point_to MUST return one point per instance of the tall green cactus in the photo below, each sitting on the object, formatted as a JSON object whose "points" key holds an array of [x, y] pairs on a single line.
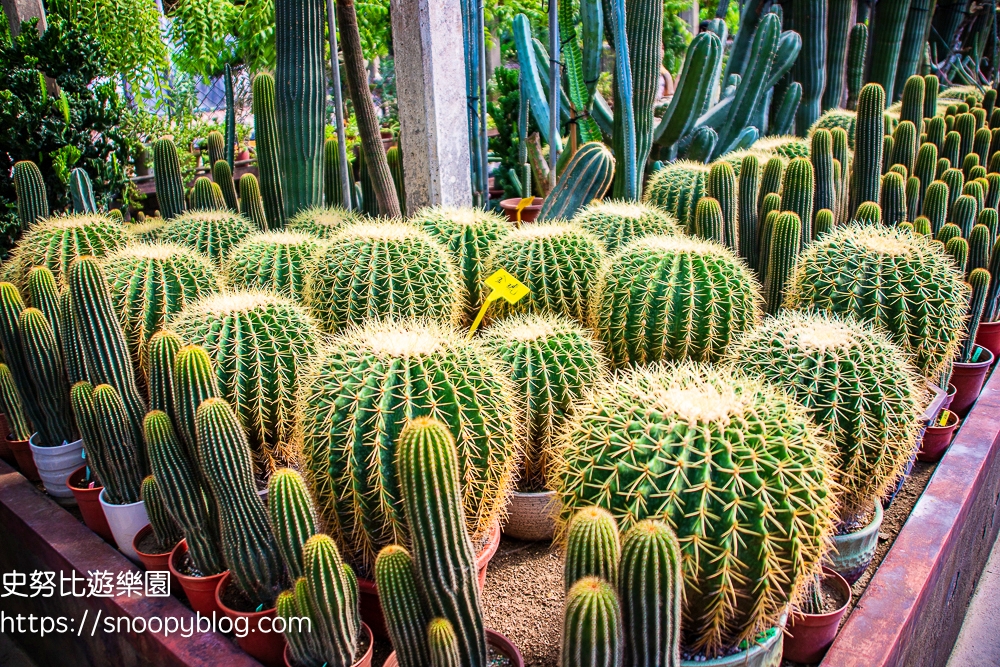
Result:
{"points": [[721, 185], [333, 600], [47, 373], [268, 150], [750, 176], [123, 458], [248, 544], [194, 382], [856, 50], [333, 187], [958, 249], [161, 352], [912, 105], [888, 26], [82, 191], [904, 145], [32, 198], [840, 17], [12, 407], [216, 145], [442, 552], [935, 205], [893, 198], [979, 281], [625, 139], [809, 19], [579, 94], [592, 628], [292, 516], [783, 251], [165, 529], [931, 86], [251, 203], [708, 221], [593, 547], [821, 154], [204, 196], [169, 182], [692, 90], [222, 174], [979, 248], [868, 145], [797, 195], [406, 616]]}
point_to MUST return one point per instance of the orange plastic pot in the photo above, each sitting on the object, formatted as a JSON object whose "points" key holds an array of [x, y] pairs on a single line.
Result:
{"points": [[364, 661], [968, 379], [810, 635], [88, 500], [24, 459], [494, 639], [267, 647], [5, 453], [988, 336], [528, 214], [371, 608], [155, 562], [200, 591]]}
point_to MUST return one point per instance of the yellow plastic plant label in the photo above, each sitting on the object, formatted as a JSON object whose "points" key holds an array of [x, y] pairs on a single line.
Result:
{"points": [[521, 205], [502, 286]]}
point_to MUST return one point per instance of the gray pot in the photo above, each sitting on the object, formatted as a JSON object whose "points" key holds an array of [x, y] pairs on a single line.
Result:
{"points": [[532, 516], [853, 552], [764, 654]]}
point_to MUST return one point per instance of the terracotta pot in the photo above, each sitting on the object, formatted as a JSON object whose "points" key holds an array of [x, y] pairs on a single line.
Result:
{"points": [[157, 562], [267, 647], [532, 516], [243, 155], [968, 379], [988, 336], [937, 439], [371, 608], [528, 213], [496, 193], [200, 591], [5, 453], [363, 661], [88, 500], [494, 639], [810, 635], [25, 461], [853, 552], [949, 398]]}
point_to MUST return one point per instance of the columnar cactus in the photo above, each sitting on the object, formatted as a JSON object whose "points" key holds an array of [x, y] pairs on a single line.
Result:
{"points": [[382, 269], [169, 182], [893, 198], [47, 373], [32, 199], [193, 381], [332, 186], [904, 146], [469, 234], [421, 368], [165, 529], [443, 644], [592, 628], [617, 223], [979, 281], [748, 213], [559, 262], [936, 204], [333, 601], [553, 361], [593, 547], [301, 645], [931, 86], [252, 205], [258, 379], [650, 588], [12, 407], [784, 241], [151, 282], [912, 276], [56, 242], [912, 104], [248, 545], [292, 516], [860, 388], [177, 478], [677, 188], [443, 557], [825, 190], [212, 233], [672, 418], [979, 247], [708, 221], [323, 223], [206, 196], [631, 318], [82, 191], [265, 123], [161, 353], [405, 615], [797, 195], [964, 212], [721, 186], [222, 174], [868, 146], [122, 459], [272, 261]]}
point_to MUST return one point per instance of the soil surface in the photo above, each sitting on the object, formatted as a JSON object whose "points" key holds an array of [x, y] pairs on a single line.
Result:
{"points": [[237, 600], [832, 595], [150, 545]]}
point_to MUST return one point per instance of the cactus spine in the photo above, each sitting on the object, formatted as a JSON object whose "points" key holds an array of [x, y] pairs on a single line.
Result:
{"points": [[592, 628]]}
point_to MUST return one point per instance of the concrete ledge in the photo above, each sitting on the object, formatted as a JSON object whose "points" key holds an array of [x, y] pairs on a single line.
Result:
{"points": [[37, 534], [912, 610]]}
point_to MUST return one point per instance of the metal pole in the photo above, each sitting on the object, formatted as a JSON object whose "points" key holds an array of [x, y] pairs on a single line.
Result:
{"points": [[484, 140], [555, 87], [346, 186]]}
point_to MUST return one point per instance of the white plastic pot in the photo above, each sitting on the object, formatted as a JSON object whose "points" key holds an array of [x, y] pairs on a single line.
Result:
{"points": [[532, 516], [125, 521], [55, 465]]}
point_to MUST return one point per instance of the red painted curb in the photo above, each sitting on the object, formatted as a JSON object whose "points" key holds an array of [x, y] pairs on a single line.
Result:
{"points": [[40, 535], [913, 608]]}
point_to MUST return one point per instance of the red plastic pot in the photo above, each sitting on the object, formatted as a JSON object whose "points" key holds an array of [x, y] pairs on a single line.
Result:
{"points": [[88, 500], [371, 608], [988, 336], [949, 398], [937, 439], [968, 379], [494, 639], [5, 453], [24, 459], [810, 635], [364, 661], [156, 562], [267, 647], [496, 193], [528, 213], [200, 591]]}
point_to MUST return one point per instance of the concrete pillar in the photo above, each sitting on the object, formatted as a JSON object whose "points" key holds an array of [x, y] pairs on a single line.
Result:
{"points": [[430, 91], [18, 11]]}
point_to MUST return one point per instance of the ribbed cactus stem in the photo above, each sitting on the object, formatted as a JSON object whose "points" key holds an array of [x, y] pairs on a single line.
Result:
{"points": [[12, 407], [825, 222], [979, 247], [783, 251], [48, 374], [222, 174], [651, 589], [721, 185], [169, 182], [443, 554], [268, 150], [82, 191], [979, 281], [857, 47], [708, 221], [204, 196], [406, 618], [251, 202], [293, 518], [821, 154], [32, 198], [750, 174], [868, 136], [935, 205], [592, 628], [593, 547], [333, 600], [893, 198], [797, 195], [809, 19], [193, 382], [443, 644], [165, 529], [124, 458], [178, 479], [904, 146]]}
